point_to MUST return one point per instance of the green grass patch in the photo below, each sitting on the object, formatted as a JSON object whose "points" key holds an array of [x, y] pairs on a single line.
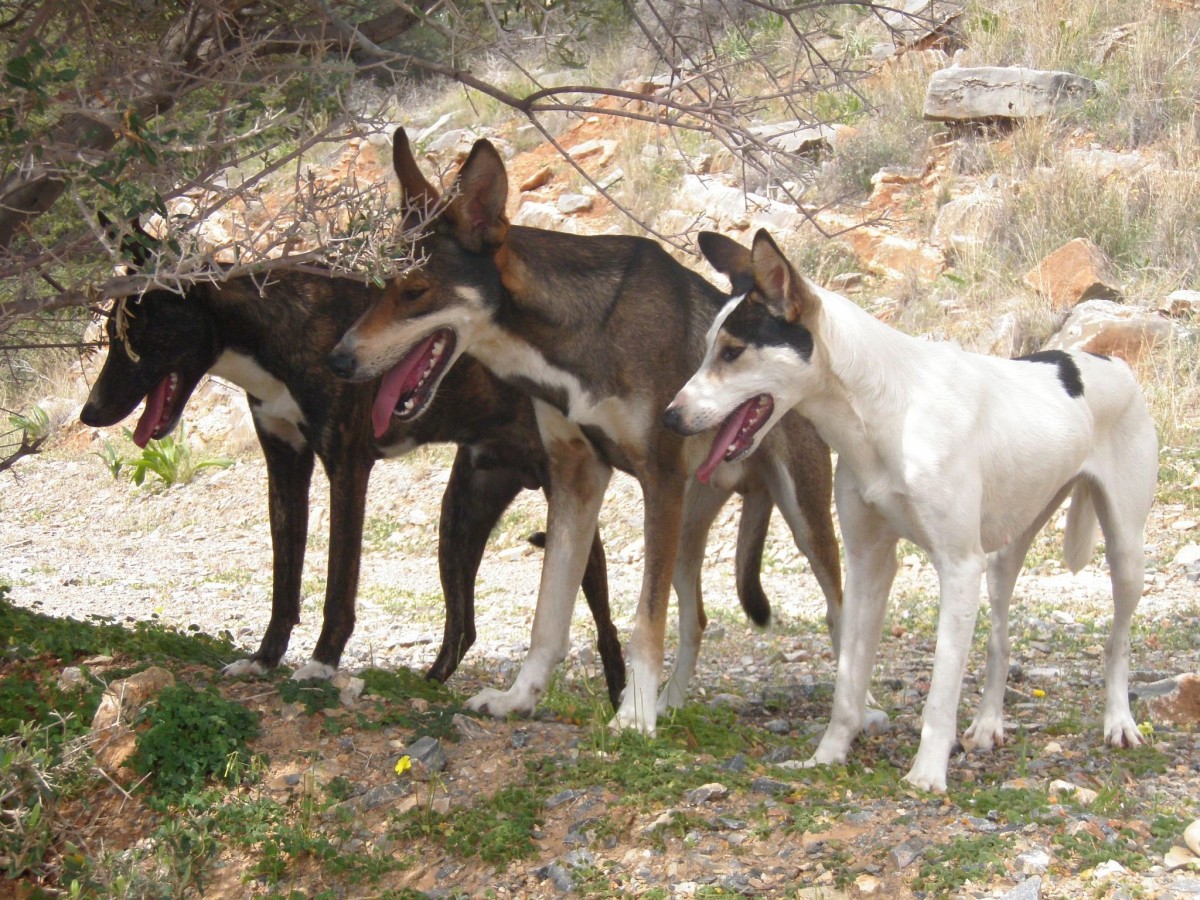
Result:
{"points": [[1008, 805], [499, 830], [403, 684], [976, 858], [27, 633]]}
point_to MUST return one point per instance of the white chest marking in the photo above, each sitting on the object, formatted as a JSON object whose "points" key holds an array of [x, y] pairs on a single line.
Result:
{"points": [[277, 411]]}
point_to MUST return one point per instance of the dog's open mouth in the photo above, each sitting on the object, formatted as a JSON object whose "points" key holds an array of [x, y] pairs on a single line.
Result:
{"points": [[158, 418], [736, 434], [408, 386]]}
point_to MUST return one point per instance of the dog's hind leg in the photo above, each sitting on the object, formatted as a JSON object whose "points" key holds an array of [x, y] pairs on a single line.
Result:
{"points": [[987, 729], [472, 504], [578, 479], [1122, 504], [870, 568], [608, 641], [701, 505], [663, 490], [289, 476], [803, 494]]}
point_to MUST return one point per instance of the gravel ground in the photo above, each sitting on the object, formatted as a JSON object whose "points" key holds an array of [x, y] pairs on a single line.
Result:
{"points": [[74, 541]]}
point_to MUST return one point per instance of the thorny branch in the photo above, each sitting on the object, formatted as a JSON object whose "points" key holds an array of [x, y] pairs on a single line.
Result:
{"points": [[100, 125]]}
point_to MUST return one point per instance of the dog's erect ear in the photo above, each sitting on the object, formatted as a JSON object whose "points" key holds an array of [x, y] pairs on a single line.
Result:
{"points": [[729, 258], [480, 193], [787, 295], [417, 194]]}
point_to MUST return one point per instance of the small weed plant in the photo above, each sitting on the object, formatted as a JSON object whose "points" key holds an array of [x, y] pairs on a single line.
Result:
{"points": [[168, 459], [194, 736], [499, 830]]}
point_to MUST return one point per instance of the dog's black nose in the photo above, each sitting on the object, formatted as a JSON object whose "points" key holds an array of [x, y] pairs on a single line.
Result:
{"points": [[342, 363], [89, 416], [673, 419]]}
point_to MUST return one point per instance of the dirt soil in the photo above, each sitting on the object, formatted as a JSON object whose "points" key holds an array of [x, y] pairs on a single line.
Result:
{"points": [[730, 813]]}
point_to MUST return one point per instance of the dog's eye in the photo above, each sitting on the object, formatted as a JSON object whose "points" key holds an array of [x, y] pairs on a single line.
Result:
{"points": [[730, 353], [411, 295]]}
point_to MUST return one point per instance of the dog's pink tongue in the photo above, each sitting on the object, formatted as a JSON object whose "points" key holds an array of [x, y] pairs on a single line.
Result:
{"points": [[388, 396], [723, 440], [394, 384], [151, 414]]}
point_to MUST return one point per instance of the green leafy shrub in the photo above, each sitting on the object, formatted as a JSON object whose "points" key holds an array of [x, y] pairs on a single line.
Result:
{"points": [[193, 736]]}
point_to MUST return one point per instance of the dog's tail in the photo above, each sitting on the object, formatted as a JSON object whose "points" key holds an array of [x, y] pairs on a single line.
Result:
{"points": [[1079, 541], [752, 537]]}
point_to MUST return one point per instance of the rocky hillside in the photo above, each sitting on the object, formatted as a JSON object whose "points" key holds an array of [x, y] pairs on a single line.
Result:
{"points": [[1011, 176]]}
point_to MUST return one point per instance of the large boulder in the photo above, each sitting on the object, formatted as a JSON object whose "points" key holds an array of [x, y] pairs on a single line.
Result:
{"points": [[993, 92], [1173, 701], [1111, 329], [113, 738], [965, 226], [1076, 271], [914, 24]]}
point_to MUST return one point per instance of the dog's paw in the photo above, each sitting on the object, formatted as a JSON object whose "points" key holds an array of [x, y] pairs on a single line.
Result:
{"points": [[630, 715], [672, 697], [932, 781], [875, 723], [984, 735], [928, 771], [241, 667], [501, 704], [314, 671], [826, 755], [1122, 732]]}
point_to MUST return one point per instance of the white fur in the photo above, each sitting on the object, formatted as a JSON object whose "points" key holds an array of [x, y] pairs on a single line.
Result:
{"points": [[241, 667], [966, 456], [570, 526], [275, 409], [314, 671]]}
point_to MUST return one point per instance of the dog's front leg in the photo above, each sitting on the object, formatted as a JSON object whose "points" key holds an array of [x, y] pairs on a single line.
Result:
{"points": [[289, 476], [701, 505], [958, 609], [870, 567], [349, 474], [579, 480], [662, 491]]}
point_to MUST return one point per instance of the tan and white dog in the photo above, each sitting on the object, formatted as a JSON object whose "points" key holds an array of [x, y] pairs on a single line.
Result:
{"points": [[965, 455]]}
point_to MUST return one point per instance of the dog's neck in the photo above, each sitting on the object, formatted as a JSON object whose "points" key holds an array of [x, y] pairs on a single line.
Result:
{"points": [[859, 405]]}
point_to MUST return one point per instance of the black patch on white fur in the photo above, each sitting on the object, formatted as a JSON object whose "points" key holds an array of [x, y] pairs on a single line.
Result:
{"points": [[751, 323], [1068, 372]]}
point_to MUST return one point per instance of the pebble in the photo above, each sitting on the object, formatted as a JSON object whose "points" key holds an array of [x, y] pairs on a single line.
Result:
{"points": [[772, 786], [1029, 889], [704, 793], [1033, 862], [427, 757], [1191, 837], [905, 854]]}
